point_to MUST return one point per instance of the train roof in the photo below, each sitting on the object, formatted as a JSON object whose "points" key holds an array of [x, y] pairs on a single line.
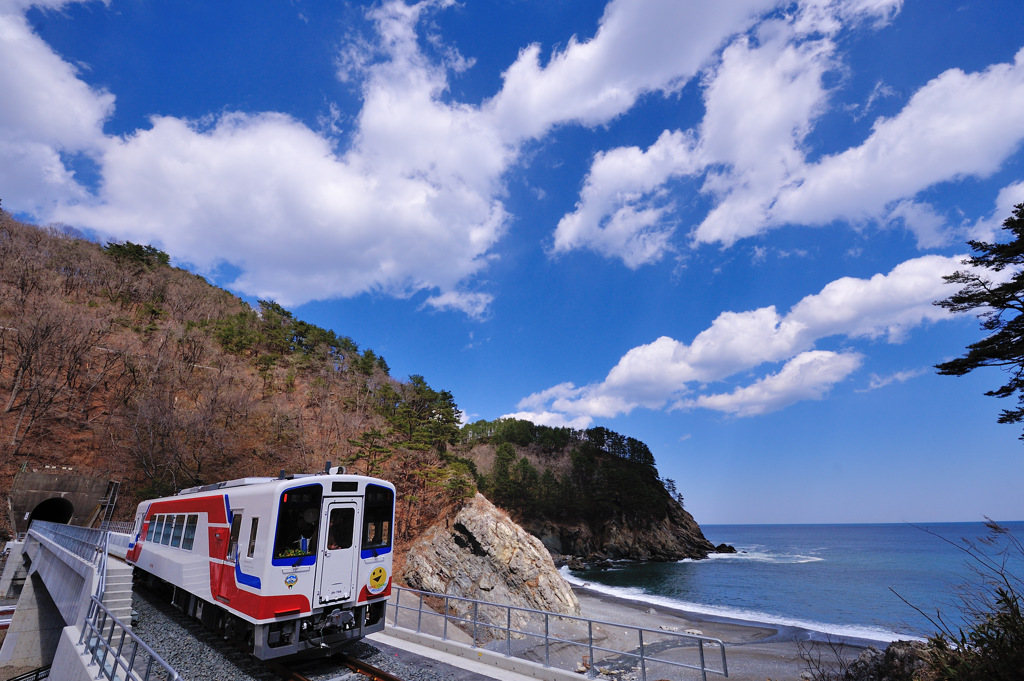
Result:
{"points": [[245, 482]]}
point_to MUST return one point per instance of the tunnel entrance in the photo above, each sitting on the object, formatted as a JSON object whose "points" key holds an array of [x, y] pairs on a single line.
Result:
{"points": [[57, 495], [53, 510]]}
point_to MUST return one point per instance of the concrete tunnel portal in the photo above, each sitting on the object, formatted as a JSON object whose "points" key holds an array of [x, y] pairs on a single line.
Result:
{"points": [[53, 510]]}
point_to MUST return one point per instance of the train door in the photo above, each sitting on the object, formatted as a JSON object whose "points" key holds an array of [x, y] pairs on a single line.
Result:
{"points": [[338, 570]]}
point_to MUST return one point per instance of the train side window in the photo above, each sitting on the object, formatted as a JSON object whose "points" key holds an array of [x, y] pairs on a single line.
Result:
{"points": [[165, 538], [179, 525], [165, 527], [252, 538], [339, 535], [158, 530], [168, 526], [236, 528], [298, 518], [380, 505], [190, 533]]}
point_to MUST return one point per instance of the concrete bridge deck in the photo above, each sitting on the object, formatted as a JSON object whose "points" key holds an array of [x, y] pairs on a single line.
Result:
{"points": [[70, 582]]}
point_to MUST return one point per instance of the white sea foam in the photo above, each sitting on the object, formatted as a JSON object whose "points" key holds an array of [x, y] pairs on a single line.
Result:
{"points": [[752, 616], [759, 556]]}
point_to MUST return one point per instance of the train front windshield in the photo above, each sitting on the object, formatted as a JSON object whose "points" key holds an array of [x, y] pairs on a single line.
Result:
{"points": [[298, 521], [377, 515]]}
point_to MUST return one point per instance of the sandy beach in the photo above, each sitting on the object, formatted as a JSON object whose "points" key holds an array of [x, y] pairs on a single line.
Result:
{"points": [[754, 651]]}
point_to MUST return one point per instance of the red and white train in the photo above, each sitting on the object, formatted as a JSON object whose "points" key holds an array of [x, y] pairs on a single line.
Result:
{"points": [[289, 565]]}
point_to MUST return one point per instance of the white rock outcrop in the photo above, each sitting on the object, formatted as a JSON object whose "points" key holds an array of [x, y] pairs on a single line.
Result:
{"points": [[482, 554]]}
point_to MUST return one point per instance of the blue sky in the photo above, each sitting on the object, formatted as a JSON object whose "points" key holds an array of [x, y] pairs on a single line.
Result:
{"points": [[716, 227]]}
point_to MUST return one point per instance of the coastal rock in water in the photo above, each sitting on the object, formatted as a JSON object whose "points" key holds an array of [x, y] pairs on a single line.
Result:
{"points": [[725, 548], [482, 554], [901, 661]]}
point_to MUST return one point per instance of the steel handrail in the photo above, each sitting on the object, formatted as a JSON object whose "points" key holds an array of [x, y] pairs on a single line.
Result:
{"points": [[548, 638], [84, 542], [93, 546], [100, 645]]}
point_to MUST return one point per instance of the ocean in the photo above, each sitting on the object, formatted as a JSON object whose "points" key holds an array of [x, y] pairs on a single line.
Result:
{"points": [[843, 581]]}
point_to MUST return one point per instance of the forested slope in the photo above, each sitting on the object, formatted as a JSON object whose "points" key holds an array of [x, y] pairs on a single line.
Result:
{"points": [[115, 362], [588, 493]]}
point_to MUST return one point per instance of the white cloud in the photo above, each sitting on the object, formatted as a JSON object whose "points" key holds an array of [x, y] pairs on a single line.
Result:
{"points": [[668, 370], [922, 220], [876, 382], [19, 6], [474, 305], [555, 420], [885, 305], [957, 125], [808, 376], [641, 46], [45, 111], [989, 229], [762, 100], [614, 215], [876, 11], [268, 194], [760, 105], [414, 204]]}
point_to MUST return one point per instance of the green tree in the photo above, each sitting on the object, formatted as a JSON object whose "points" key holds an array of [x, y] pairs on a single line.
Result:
{"points": [[145, 255], [373, 449], [501, 475], [1000, 302], [516, 431]]}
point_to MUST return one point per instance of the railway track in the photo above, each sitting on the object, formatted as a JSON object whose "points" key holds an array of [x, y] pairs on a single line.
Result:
{"points": [[246, 666], [359, 671]]}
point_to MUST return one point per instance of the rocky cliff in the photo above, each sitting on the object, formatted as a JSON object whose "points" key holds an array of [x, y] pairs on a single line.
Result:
{"points": [[481, 554], [591, 494], [668, 533]]}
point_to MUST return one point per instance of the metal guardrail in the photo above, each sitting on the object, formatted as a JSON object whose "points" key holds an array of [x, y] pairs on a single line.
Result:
{"points": [[123, 526], [118, 652], [129, 657], [84, 542], [555, 633]]}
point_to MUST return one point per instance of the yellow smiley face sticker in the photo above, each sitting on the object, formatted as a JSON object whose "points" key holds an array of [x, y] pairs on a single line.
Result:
{"points": [[378, 580]]}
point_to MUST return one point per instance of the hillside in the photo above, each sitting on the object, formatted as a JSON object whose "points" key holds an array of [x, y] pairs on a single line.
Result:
{"points": [[114, 362], [587, 493]]}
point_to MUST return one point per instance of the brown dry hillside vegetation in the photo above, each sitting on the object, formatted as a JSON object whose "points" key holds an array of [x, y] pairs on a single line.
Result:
{"points": [[114, 362]]}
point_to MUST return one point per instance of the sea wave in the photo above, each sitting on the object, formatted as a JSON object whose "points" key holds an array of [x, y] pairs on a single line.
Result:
{"points": [[759, 556], [824, 629]]}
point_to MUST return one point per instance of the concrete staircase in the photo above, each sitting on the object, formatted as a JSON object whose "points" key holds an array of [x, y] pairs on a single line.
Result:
{"points": [[117, 597]]}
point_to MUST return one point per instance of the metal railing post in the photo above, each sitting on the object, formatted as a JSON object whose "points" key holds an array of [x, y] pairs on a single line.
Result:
{"points": [[131, 660], [419, 616], [547, 642], [476, 613], [643, 658], [508, 632], [703, 668], [444, 635], [590, 645]]}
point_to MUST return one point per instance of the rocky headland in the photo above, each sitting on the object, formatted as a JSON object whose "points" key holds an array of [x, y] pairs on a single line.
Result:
{"points": [[669, 534], [480, 553]]}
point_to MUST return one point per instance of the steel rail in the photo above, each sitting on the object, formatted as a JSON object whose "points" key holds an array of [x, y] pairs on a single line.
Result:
{"points": [[367, 670]]}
